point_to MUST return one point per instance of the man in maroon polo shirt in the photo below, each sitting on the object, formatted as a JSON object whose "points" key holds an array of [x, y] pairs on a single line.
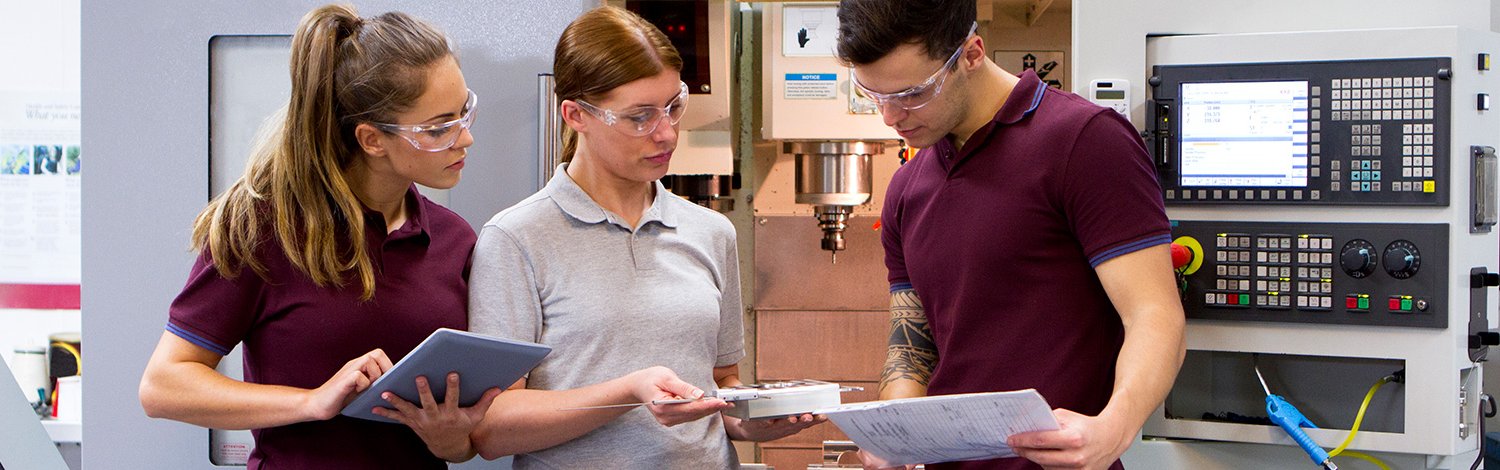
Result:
{"points": [[1027, 242]]}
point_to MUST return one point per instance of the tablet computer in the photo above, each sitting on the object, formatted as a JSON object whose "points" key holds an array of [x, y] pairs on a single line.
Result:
{"points": [[481, 362]]}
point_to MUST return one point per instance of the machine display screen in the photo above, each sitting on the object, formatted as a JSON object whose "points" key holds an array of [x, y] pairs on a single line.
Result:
{"points": [[1110, 94], [1239, 134]]}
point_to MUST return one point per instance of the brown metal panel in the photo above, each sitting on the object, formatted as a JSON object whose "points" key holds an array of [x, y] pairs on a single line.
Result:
{"points": [[833, 346], [786, 458], [793, 273]]}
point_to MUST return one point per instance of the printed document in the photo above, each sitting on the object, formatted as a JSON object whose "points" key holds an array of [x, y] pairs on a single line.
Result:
{"points": [[944, 428]]}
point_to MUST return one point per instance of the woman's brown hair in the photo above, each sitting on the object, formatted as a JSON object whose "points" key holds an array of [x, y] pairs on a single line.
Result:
{"points": [[345, 70], [604, 48]]}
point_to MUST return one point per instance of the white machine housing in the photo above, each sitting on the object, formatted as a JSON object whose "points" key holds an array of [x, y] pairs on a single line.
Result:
{"points": [[826, 117], [1442, 385]]}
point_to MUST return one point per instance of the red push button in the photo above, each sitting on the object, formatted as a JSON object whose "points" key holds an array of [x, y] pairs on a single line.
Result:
{"points": [[1351, 302], [1395, 303], [1182, 256]]}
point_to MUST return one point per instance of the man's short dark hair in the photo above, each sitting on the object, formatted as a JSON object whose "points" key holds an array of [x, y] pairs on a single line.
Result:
{"points": [[870, 29]]}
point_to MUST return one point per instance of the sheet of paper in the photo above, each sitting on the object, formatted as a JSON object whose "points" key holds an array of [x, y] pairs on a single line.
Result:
{"points": [[945, 428]]}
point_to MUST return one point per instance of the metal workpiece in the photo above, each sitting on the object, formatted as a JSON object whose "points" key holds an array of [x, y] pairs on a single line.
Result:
{"points": [[833, 176]]}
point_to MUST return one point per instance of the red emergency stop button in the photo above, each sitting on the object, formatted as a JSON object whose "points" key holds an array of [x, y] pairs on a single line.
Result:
{"points": [[1181, 256]]}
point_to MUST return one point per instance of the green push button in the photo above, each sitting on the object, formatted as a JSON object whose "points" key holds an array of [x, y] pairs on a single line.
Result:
{"points": [[1405, 305], [1364, 303]]}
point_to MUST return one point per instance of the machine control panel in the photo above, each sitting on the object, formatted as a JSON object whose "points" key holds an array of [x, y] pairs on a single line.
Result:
{"points": [[1362, 132], [1341, 273]]}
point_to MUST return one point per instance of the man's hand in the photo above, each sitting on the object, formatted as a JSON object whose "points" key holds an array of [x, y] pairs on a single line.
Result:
{"points": [[1082, 442]]}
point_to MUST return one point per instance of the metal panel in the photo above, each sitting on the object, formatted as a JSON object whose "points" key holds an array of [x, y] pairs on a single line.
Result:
{"points": [[788, 265], [146, 87], [1109, 36], [790, 458], [831, 346]]}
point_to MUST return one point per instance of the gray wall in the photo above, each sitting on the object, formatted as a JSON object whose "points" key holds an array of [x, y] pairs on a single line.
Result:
{"points": [[145, 87]]}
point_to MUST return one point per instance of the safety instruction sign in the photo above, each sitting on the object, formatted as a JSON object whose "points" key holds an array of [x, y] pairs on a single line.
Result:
{"points": [[811, 86], [809, 30]]}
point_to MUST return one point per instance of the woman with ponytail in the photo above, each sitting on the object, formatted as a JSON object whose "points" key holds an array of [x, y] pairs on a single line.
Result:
{"points": [[326, 264], [636, 289]]}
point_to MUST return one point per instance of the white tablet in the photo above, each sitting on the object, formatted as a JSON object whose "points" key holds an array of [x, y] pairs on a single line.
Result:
{"points": [[482, 362]]}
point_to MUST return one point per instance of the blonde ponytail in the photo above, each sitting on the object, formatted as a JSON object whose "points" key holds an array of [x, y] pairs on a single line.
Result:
{"points": [[344, 70]]}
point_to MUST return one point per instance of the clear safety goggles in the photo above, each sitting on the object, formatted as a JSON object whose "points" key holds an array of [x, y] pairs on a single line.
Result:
{"points": [[435, 137], [921, 94], [641, 120]]}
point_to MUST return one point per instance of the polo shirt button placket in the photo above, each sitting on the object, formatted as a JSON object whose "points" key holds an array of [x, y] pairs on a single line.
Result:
{"points": [[635, 260]]}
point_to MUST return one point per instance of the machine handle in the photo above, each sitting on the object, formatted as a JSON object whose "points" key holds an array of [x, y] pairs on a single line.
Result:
{"points": [[1292, 421]]}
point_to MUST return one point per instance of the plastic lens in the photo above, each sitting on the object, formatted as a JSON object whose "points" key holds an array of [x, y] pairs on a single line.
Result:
{"points": [[921, 94], [435, 137], [641, 120]]}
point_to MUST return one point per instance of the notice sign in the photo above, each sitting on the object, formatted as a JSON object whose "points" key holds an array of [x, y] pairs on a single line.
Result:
{"points": [[811, 86]]}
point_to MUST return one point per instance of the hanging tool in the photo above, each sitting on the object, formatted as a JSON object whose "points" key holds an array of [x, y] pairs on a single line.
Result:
{"points": [[1292, 421]]}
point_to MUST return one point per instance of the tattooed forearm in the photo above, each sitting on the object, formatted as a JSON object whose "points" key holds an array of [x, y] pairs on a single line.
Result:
{"points": [[911, 353]]}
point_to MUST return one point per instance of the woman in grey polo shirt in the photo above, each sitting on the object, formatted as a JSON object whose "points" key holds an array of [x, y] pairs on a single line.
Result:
{"points": [[636, 290]]}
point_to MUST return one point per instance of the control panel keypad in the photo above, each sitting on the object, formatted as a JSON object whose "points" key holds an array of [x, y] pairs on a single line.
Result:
{"points": [[1367, 132], [1313, 272], [1382, 99]]}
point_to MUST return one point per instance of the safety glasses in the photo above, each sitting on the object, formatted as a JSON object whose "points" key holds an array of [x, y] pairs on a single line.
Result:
{"points": [[641, 120], [434, 137], [921, 94]]}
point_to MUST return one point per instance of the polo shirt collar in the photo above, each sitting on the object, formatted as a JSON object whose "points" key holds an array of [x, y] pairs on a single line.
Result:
{"points": [[577, 204], [1023, 99], [416, 221]]}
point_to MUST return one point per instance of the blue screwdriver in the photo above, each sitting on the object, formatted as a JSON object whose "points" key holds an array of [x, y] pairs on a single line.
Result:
{"points": [[1292, 421]]}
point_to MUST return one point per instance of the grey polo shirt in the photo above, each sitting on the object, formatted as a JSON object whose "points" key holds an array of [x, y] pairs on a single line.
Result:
{"points": [[610, 299]]}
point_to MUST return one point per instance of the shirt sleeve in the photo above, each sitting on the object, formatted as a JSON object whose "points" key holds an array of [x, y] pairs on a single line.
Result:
{"points": [[1111, 191], [213, 312], [890, 229], [503, 295], [731, 307]]}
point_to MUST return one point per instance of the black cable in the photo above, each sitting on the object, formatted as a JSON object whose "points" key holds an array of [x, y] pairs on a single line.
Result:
{"points": [[1484, 401]]}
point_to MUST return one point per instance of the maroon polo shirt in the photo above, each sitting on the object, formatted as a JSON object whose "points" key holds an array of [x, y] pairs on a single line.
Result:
{"points": [[1000, 240], [298, 334]]}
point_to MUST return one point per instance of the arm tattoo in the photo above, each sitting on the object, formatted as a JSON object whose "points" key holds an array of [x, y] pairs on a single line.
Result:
{"points": [[911, 353]]}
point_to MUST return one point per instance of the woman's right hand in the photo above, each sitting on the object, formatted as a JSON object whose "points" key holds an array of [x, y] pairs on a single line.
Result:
{"points": [[329, 399], [660, 383]]}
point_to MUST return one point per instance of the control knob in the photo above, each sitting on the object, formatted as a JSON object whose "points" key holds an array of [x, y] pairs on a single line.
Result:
{"points": [[1401, 259], [1358, 258]]}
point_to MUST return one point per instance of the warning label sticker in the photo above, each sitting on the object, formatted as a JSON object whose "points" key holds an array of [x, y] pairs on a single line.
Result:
{"points": [[811, 86]]}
